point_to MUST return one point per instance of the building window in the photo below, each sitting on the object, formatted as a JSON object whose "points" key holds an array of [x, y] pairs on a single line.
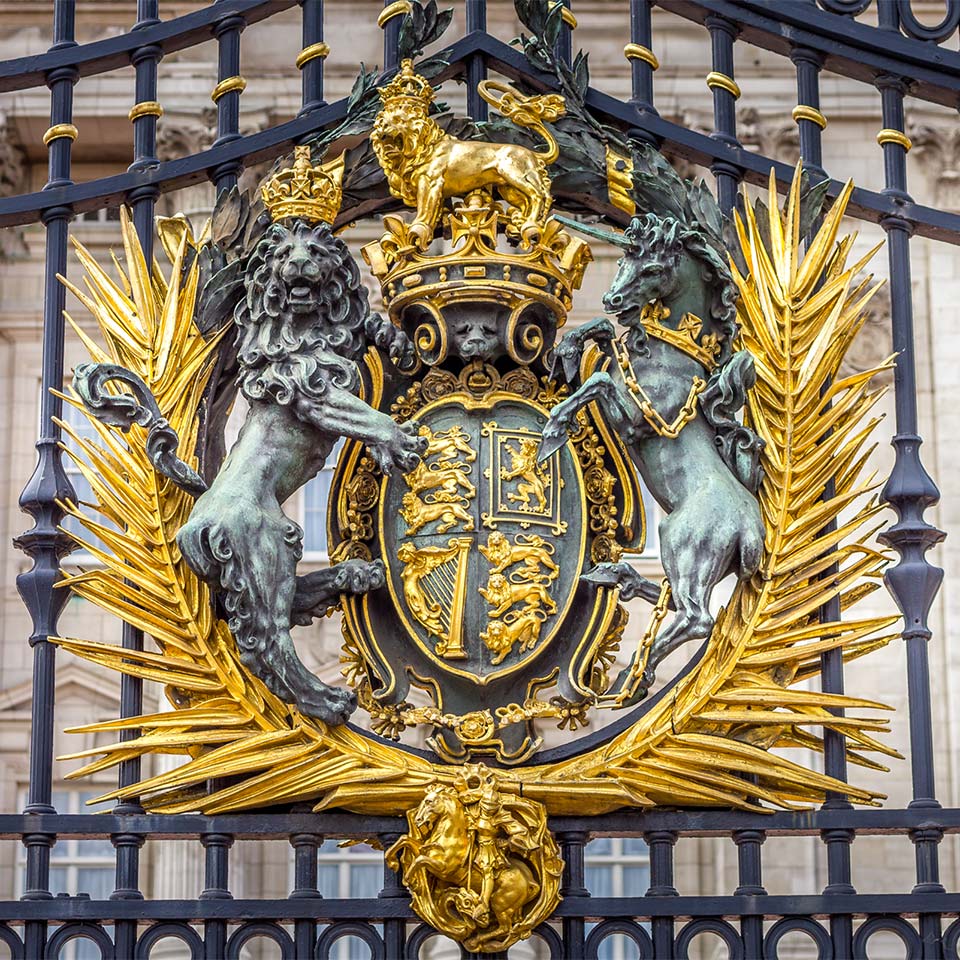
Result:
{"points": [[84, 492], [617, 867], [76, 866], [314, 498], [349, 872], [101, 215]]}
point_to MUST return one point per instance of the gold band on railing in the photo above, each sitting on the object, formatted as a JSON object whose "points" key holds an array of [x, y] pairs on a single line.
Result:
{"points": [[723, 82], [228, 86], [146, 108], [59, 130], [394, 10], [316, 51], [888, 135], [635, 51], [804, 112], [567, 16]]}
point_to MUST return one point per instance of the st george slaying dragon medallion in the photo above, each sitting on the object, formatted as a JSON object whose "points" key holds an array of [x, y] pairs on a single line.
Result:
{"points": [[487, 499]]}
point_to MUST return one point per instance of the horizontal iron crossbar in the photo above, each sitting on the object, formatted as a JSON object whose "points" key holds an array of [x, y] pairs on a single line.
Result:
{"points": [[101, 56], [267, 144], [851, 49], [689, 823], [375, 909]]}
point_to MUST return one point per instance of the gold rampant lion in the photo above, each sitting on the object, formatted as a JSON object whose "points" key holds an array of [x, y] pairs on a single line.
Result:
{"points": [[534, 478], [425, 166]]}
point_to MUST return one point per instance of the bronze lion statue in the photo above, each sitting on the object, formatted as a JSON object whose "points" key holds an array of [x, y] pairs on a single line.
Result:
{"points": [[301, 327]]}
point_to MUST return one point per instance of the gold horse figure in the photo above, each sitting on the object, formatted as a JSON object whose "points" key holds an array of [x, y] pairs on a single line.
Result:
{"points": [[480, 864], [534, 477]]}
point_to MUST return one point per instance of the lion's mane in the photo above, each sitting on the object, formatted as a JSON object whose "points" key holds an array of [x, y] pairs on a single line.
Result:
{"points": [[420, 132], [287, 356]]}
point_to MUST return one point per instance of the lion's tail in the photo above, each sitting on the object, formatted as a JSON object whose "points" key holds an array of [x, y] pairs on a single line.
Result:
{"points": [[529, 112]]}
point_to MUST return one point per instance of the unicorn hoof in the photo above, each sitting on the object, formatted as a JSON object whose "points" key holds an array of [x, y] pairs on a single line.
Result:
{"points": [[554, 437]]}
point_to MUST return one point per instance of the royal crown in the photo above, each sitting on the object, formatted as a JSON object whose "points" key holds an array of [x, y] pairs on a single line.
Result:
{"points": [[311, 192], [407, 84], [476, 268]]}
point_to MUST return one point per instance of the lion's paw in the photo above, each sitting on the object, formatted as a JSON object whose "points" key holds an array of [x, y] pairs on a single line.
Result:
{"points": [[332, 705]]}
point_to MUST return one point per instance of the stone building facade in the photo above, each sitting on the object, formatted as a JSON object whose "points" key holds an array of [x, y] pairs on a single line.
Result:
{"points": [[104, 147]]}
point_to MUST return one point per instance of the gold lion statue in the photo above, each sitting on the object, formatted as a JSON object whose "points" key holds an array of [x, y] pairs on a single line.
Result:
{"points": [[425, 166]]}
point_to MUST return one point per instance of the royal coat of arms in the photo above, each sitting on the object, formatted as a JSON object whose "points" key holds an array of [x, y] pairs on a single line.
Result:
{"points": [[487, 497]]}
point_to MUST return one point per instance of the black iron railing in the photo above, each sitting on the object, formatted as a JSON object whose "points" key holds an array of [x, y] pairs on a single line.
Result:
{"points": [[900, 57]]}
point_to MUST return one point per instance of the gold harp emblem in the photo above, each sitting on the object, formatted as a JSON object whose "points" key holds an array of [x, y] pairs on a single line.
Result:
{"points": [[434, 586]]}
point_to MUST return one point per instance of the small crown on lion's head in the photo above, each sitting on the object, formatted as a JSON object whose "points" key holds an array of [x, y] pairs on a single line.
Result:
{"points": [[407, 85], [311, 192]]}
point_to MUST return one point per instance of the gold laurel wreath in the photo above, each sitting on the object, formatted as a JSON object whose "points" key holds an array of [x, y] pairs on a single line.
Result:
{"points": [[711, 741]]}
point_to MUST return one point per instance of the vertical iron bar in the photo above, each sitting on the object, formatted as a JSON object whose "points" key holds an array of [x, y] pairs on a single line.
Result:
{"points": [[312, 56], [839, 877], [44, 543], [395, 929], [573, 884], [394, 12], [476, 67], [810, 122], [750, 885], [643, 63], [227, 31], [914, 581], [305, 849], [145, 60], [144, 115], [216, 879], [661, 844], [725, 93]]}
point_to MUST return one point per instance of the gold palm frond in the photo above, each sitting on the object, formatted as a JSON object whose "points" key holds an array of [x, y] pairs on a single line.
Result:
{"points": [[728, 718]]}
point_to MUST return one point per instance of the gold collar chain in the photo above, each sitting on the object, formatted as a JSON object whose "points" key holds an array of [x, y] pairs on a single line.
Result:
{"points": [[685, 338], [660, 426]]}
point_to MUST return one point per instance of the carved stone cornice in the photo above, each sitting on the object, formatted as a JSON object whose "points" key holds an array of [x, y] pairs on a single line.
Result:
{"points": [[768, 136], [13, 175], [937, 146], [180, 137]]}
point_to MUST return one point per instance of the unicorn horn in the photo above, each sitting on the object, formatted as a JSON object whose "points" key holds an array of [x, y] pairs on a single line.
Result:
{"points": [[607, 236]]}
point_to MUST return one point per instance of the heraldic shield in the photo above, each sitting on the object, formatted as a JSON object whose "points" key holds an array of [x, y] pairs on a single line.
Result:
{"points": [[483, 546], [480, 516]]}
